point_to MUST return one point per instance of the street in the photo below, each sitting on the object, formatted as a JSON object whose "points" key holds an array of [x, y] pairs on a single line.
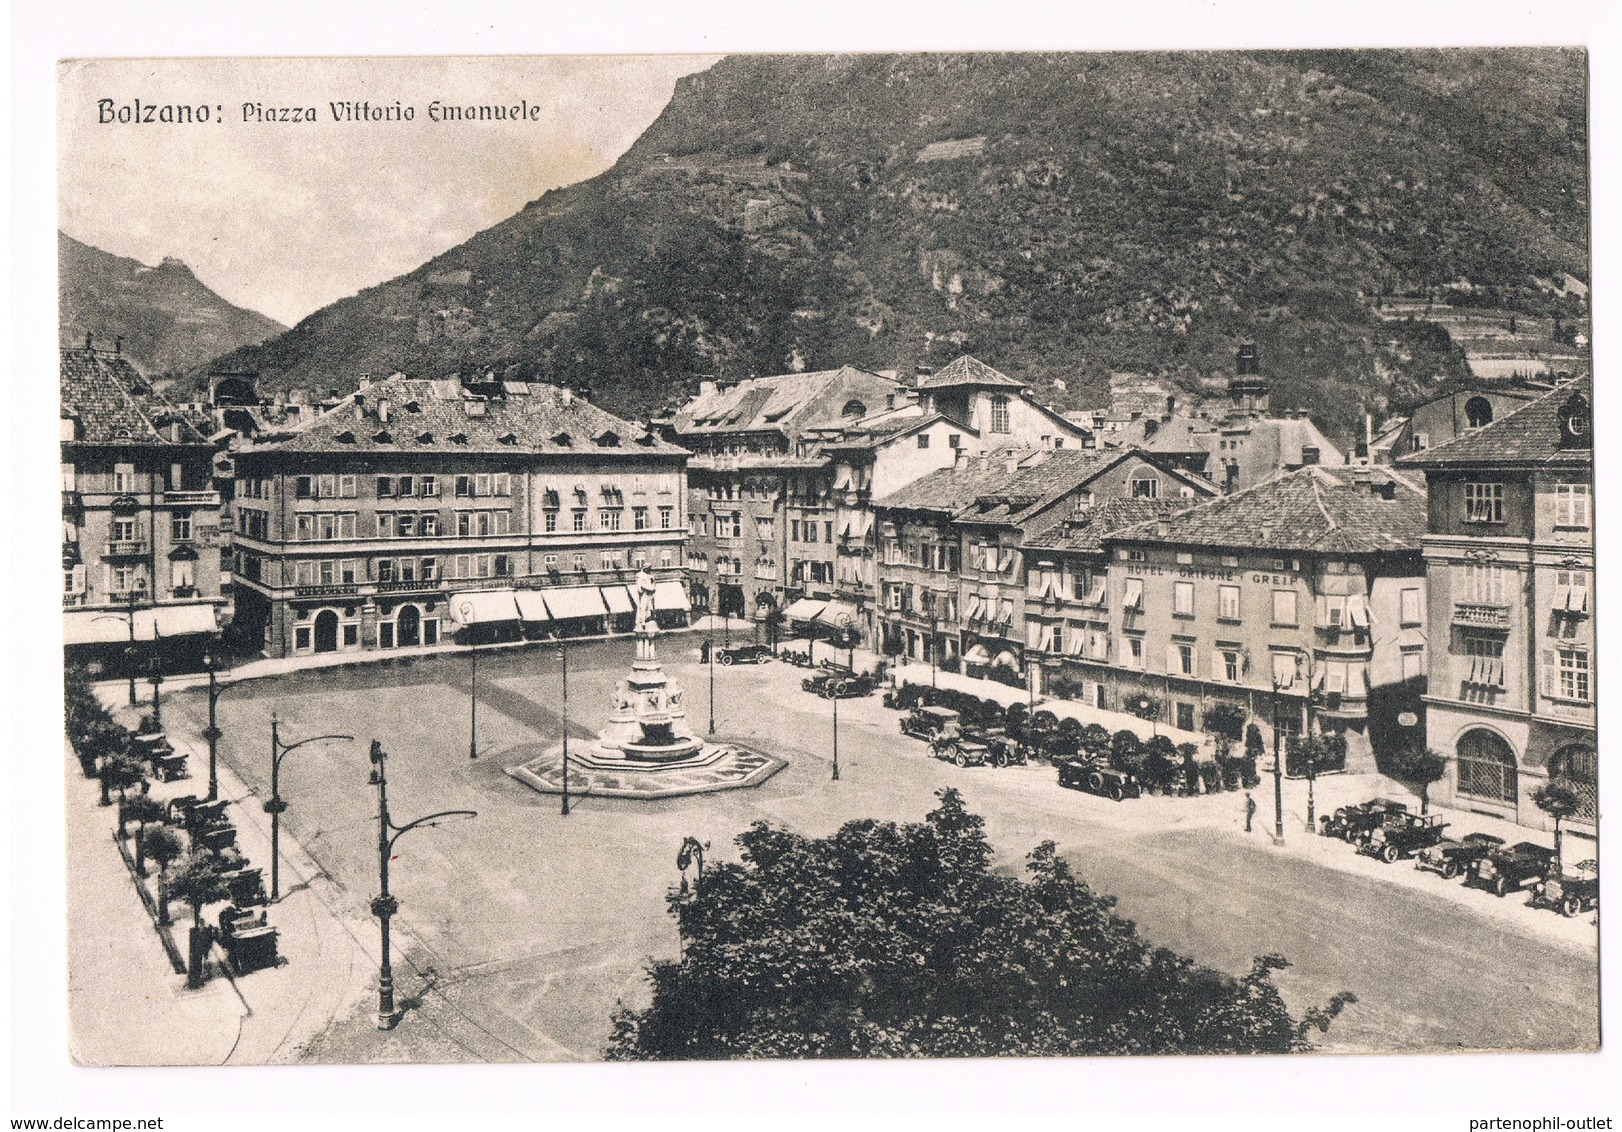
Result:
{"points": [[521, 929]]}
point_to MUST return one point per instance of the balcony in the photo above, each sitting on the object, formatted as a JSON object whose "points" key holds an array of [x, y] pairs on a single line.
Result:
{"points": [[1481, 615], [349, 589], [125, 548], [72, 503], [191, 498], [411, 585]]}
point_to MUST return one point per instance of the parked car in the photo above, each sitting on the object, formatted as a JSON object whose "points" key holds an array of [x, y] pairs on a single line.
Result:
{"points": [[1354, 823], [743, 654], [1403, 835], [1096, 776], [1454, 858], [835, 681], [1572, 893], [930, 723], [1505, 870], [960, 749], [1003, 748]]}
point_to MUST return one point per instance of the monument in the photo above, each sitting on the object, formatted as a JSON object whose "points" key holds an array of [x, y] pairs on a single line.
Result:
{"points": [[646, 749]]}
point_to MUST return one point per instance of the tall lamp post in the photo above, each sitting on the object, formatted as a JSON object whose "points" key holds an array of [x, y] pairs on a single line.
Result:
{"points": [[131, 655], [709, 649], [1278, 770], [155, 675], [934, 645], [384, 905], [211, 664], [275, 807], [563, 651], [835, 698], [468, 618]]}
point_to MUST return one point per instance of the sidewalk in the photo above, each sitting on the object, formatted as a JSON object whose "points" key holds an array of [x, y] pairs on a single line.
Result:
{"points": [[118, 1014]]}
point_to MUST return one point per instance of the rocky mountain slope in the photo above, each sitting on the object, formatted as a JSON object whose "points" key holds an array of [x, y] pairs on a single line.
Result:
{"points": [[169, 321], [1059, 216]]}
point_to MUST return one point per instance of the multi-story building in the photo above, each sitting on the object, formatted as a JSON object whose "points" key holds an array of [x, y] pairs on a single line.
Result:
{"points": [[1444, 419], [952, 569], [416, 506], [142, 542], [1510, 559], [1309, 588]]}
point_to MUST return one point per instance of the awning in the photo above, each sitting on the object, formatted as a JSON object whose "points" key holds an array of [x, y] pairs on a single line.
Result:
{"points": [[804, 609], [1005, 615], [975, 609], [1006, 659], [1134, 594], [89, 628], [481, 607], [531, 606], [1358, 610], [834, 610], [619, 599], [977, 654], [1095, 595], [566, 602], [669, 595]]}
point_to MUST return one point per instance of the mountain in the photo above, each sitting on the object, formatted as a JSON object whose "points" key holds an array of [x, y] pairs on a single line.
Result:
{"points": [[169, 321], [1060, 216]]}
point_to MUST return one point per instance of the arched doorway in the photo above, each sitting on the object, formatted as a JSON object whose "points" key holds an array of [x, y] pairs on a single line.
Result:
{"points": [[1577, 769], [1478, 411], [408, 627], [326, 631], [1487, 767]]}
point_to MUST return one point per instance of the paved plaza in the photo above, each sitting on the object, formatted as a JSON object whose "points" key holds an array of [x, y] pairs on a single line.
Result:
{"points": [[521, 929]]}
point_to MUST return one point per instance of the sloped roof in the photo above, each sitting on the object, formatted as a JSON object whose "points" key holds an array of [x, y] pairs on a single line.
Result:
{"points": [[1529, 435], [966, 370], [948, 490], [432, 416], [114, 404], [761, 403], [1314, 509], [1086, 528]]}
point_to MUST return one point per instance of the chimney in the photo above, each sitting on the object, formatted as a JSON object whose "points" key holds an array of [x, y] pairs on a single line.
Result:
{"points": [[568, 395], [474, 408], [118, 344], [706, 389], [1163, 526], [360, 407], [383, 410], [89, 342], [1384, 489], [1010, 463], [1171, 405]]}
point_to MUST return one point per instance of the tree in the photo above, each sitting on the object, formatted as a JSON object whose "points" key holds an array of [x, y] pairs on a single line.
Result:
{"points": [[1560, 802], [887, 940], [1143, 706], [119, 771], [142, 809], [1126, 752], [1225, 720], [197, 881], [1310, 755], [164, 845], [1095, 740], [1420, 766]]}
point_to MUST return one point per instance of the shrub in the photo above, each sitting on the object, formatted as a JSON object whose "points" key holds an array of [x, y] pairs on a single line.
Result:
{"points": [[1212, 776], [1225, 720]]}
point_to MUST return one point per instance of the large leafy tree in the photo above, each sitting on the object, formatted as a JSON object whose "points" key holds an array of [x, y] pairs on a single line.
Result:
{"points": [[887, 940]]}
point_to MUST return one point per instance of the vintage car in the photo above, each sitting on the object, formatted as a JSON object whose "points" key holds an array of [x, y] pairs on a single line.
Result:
{"points": [[930, 723], [1572, 893], [248, 939], [956, 747], [1002, 748], [835, 681], [1096, 776], [1505, 870], [1453, 858], [1354, 823], [743, 654], [1403, 835]]}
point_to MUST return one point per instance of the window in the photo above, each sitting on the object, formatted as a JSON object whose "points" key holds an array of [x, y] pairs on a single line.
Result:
{"points": [[1486, 767], [347, 573], [502, 483], [1411, 613], [639, 518], [809, 527], [549, 520], [763, 526], [123, 579], [428, 486], [794, 530], [1571, 591], [405, 525], [464, 486], [304, 527], [301, 637], [1182, 599], [1478, 412], [1232, 666], [1574, 672], [385, 569], [183, 574], [1134, 652], [1185, 659], [481, 483], [385, 524], [1146, 487], [1284, 668], [1577, 769], [580, 518], [406, 487], [73, 580], [923, 440], [665, 557], [1134, 595], [954, 440], [1284, 607], [1572, 505], [1413, 664], [1485, 583], [180, 526], [1228, 603], [385, 487], [1484, 503], [1486, 656], [303, 487], [580, 561], [999, 413]]}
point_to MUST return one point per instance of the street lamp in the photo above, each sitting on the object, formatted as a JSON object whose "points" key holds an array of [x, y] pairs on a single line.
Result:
{"points": [[468, 618], [384, 905], [275, 807], [211, 664], [130, 652], [563, 651], [709, 650], [934, 644], [692, 852], [1278, 770], [155, 675]]}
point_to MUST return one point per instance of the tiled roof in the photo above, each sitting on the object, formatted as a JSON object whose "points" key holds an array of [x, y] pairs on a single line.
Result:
{"points": [[1529, 435], [1085, 529], [114, 404], [760, 403], [948, 490], [1314, 509], [969, 371], [444, 416]]}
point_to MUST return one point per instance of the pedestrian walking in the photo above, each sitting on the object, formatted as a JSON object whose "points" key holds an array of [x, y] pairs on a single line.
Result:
{"points": [[1250, 810]]}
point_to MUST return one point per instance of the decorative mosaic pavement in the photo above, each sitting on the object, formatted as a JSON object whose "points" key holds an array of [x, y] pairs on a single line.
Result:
{"points": [[721, 767]]}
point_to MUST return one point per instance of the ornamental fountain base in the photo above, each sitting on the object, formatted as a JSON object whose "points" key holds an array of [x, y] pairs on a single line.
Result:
{"points": [[646, 750]]}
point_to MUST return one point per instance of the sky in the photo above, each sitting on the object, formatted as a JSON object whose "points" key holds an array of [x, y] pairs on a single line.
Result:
{"points": [[284, 217]]}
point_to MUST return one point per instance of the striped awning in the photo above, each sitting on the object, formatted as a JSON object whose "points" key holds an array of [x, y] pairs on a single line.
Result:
{"points": [[531, 606], [619, 599], [566, 602], [482, 607]]}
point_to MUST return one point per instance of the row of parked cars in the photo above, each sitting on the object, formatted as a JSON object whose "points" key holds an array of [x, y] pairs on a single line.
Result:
{"points": [[1388, 830]]}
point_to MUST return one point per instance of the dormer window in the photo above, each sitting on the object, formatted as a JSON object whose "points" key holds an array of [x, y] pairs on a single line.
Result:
{"points": [[506, 438], [563, 440], [999, 413], [345, 437], [608, 438], [412, 407], [382, 436], [425, 438], [458, 438]]}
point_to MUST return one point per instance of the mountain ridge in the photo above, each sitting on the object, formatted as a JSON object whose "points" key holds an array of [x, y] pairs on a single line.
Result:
{"points": [[1059, 216]]}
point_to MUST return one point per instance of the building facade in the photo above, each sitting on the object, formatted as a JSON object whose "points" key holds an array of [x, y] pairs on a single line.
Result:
{"points": [[1510, 558], [144, 553], [417, 508]]}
